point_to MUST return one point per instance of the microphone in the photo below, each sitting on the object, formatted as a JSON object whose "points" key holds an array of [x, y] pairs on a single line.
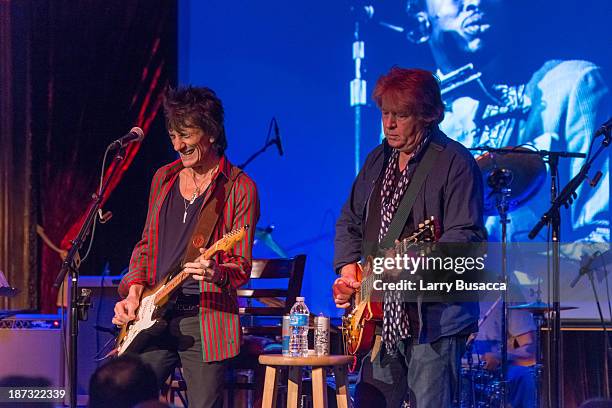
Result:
{"points": [[586, 268], [605, 128], [363, 11], [134, 135], [277, 139]]}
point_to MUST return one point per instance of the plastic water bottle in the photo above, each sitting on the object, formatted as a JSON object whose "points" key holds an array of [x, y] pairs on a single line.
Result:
{"points": [[298, 321]]}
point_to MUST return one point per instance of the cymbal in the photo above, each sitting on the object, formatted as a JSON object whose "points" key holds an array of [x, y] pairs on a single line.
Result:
{"points": [[264, 235], [539, 307], [522, 174]]}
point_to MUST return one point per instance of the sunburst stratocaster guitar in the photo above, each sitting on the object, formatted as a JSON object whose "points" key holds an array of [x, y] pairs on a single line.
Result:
{"points": [[359, 325], [155, 301]]}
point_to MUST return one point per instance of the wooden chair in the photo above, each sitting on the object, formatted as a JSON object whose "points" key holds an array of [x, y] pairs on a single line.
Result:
{"points": [[277, 299], [274, 285]]}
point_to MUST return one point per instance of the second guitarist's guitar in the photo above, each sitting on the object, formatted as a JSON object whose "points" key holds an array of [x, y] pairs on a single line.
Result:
{"points": [[155, 301], [359, 325]]}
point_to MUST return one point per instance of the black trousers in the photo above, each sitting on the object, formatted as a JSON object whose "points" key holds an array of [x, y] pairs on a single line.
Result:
{"points": [[182, 342]]}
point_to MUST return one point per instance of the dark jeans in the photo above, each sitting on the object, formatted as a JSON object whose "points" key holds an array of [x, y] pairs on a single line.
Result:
{"points": [[182, 342], [426, 373]]}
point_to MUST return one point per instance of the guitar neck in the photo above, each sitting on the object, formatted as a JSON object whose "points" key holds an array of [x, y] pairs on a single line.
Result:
{"points": [[181, 277], [367, 286], [426, 231]]}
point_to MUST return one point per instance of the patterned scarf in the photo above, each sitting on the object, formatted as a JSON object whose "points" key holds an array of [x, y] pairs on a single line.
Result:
{"points": [[396, 324]]}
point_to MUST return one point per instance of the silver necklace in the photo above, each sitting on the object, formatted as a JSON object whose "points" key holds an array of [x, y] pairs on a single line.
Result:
{"points": [[196, 192], [193, 198]]}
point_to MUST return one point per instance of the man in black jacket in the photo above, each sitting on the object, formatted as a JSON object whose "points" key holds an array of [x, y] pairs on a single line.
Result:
{"points": [[421, 342]]}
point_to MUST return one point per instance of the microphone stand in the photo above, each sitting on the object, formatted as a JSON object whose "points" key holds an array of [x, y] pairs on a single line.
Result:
{"points": [[257, 153], [502, 191], [515, 150], [269, 142], [552, 217], [588, 270], [71, 265]]}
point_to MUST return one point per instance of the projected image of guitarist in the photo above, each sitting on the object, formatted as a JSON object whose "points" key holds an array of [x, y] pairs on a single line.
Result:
{"points": [[504, 89], [180, 301], [415, 174]]}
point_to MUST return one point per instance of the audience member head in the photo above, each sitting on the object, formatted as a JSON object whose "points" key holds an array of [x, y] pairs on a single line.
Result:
{"points": [[122, 383]]}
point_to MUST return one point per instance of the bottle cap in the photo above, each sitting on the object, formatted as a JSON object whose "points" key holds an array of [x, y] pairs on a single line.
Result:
{"points": [[299, 299]]}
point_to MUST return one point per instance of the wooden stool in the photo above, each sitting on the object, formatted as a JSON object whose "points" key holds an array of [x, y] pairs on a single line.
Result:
{"points": [[294, 387]]}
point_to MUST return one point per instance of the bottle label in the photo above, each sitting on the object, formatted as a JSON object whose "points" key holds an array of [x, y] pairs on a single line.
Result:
{"points": [[298, 319]]}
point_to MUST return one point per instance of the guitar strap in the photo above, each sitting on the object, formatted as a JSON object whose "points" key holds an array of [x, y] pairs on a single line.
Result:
{"points": [[405, 206], [210, 215]]}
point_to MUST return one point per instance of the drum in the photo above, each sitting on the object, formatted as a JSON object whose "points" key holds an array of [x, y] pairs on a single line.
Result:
{"points": [[480, 388]]}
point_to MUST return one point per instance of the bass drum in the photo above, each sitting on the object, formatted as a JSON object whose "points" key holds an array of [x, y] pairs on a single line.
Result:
{"points": [[480, 388]]}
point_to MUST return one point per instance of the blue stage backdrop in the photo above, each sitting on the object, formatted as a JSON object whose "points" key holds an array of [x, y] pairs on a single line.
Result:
{"points": [[533, 75]]}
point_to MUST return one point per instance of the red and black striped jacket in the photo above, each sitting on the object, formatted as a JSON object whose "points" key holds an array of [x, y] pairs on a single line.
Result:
{"points": [[220, 323]]}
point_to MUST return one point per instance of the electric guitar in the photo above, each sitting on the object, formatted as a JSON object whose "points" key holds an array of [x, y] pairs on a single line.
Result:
{"points": [[156, 301], [359, 325]]}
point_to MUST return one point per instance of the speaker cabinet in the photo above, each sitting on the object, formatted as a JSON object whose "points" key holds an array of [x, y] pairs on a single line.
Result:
{"points": [[32, 346]]}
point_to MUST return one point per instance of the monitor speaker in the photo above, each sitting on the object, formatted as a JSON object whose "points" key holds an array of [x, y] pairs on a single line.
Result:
{"points": [[31, 345]]}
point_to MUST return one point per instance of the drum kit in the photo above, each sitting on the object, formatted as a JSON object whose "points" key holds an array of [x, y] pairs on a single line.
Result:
{"points": [[482, 387], [512, 177]]}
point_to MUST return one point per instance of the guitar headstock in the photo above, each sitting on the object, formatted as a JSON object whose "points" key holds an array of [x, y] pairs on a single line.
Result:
{"points": [[227, 242], [231, 238], [427, 231]]}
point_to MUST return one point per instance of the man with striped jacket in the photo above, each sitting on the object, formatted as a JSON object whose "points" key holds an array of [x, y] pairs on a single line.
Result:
{"points": [[203, 329]]}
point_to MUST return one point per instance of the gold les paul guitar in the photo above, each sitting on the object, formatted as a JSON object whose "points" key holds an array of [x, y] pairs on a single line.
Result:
{"points": [[359, 325], [155, 301]]}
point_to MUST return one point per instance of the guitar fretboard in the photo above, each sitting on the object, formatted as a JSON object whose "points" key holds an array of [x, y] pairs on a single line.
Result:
{"points": [[367, 286], [181, 277], [425, 232]]}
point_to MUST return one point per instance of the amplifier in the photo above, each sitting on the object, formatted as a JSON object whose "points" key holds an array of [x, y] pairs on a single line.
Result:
{"points": [[31, 345]]}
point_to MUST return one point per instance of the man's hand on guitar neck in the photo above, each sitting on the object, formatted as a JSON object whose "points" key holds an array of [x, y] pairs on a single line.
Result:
{"points": [[345, 286], [205, 269], [125, 310]]}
